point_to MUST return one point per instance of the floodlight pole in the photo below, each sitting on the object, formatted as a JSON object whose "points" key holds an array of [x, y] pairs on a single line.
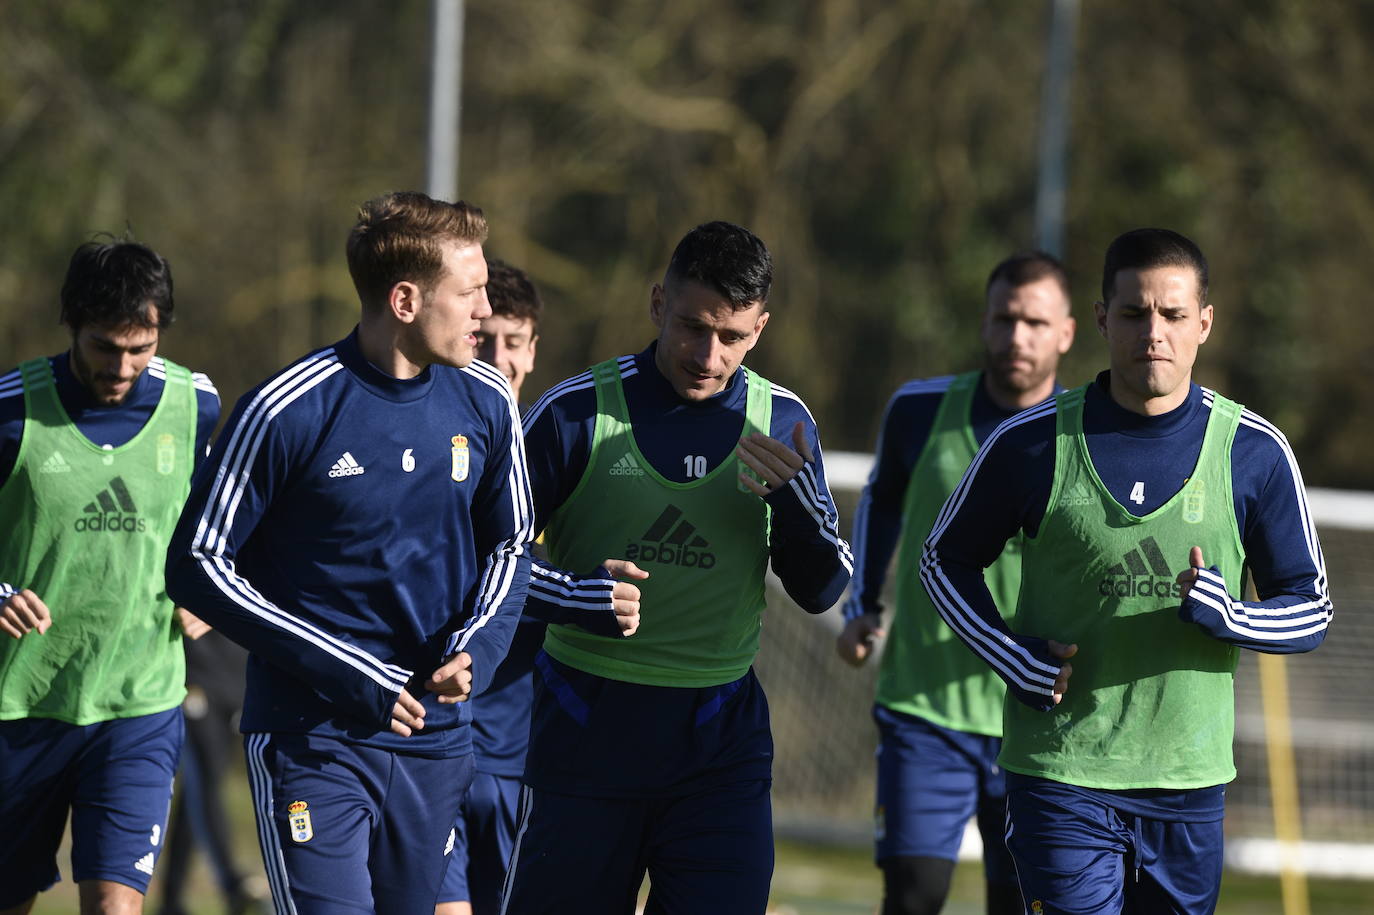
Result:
{"points": [[1051, 187], [445, 100]]}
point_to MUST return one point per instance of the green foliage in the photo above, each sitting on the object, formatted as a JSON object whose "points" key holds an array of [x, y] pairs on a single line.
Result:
{"points": [[886, 151]]}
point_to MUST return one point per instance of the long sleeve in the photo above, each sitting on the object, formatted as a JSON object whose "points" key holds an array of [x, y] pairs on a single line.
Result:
{"points": [[231, 494], [503, 524], [1003, 491], [1282, 553], [879, 516], [810, 558]]}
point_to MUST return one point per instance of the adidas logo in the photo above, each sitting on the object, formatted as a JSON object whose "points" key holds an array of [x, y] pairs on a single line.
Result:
{"points": [[346, 466], [627, 466], [672, 540], [55, 463], [1142, 572], [112, 511], [145, 864], [1078, 495]]}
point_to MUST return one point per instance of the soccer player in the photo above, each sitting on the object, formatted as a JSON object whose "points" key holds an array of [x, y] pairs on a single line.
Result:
{"points": [[97, 447], [485, 830], [1117, 761], [653, 751], [361, 529], [939, 707]]}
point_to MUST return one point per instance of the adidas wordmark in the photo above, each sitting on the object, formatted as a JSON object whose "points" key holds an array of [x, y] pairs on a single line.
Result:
{"points": [[346, 466], [627, 466]]}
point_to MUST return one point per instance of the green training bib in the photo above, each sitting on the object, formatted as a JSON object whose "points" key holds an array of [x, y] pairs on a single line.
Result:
{"points": [[703, 543], [926, 670], [87, 531], [1150, 703]]}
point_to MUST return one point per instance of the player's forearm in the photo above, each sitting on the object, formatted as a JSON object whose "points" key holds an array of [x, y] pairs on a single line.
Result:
{"points": [[961, 597], [501, 597], [1289, 623], [207, 584], [877, 528], [813, 562], [562, 597]]}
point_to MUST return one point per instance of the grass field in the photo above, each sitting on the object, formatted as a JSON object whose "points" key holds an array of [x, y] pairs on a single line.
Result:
{"points": [[808, 880]]}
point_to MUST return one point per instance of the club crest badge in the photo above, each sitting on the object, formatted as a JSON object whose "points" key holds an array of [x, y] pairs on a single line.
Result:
{"points": [[298, 816], [1193, 501], [460, 458], [166, 454]]}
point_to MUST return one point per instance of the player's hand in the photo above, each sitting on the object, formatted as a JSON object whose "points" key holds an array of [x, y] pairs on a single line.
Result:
{"points": [[1061, 682], [24, 612], [192, 626], [774, 462], [453, 681], [1188, 577], [854, 644], [408, 715], [625, 596]]}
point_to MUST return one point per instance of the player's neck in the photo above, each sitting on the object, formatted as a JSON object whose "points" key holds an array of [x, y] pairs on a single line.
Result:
{"points": [[1009, 399], [1130, 400], [382, 345]]}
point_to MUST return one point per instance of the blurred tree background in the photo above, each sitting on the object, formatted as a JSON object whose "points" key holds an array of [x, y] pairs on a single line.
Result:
{"points": [[884, 149]]}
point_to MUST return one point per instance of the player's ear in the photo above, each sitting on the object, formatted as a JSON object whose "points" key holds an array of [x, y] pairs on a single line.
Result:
{"points": [[1100, 312], [758, 328], [404, 301], [658, 305], [1206, 316], [1066, 333]]}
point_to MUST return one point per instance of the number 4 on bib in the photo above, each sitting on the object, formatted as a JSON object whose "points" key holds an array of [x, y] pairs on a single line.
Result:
{"points": [[1138, 493]]}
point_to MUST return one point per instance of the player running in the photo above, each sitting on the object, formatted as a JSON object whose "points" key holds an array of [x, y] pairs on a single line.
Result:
{"points": [[97, 447], [939, 707], [653, 752], [363, 533], [1117, 762]]}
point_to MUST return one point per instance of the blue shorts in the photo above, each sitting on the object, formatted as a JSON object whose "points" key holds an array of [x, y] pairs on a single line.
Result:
{"points": [[931, 781], [351, 828], [116, 779], [711, 851], [483, 838], [1075, 852]]}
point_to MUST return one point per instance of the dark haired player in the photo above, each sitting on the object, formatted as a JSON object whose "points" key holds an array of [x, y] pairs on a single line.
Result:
{"points": [[653, 752], [485, 831], [361, 529], [939, 707], [1117, 762], [97, 447]]}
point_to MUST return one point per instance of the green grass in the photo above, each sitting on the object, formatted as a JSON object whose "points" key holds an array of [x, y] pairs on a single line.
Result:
{"points": [[808, 880], [840, 881]]}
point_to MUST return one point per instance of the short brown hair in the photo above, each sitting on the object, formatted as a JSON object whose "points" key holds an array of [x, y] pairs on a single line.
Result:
{"points": [[512, 294], [1026, 267], [399, 237]]}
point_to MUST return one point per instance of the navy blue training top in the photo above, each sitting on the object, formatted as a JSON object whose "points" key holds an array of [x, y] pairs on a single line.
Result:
{"points": [[352, 531], [679, 739]]}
